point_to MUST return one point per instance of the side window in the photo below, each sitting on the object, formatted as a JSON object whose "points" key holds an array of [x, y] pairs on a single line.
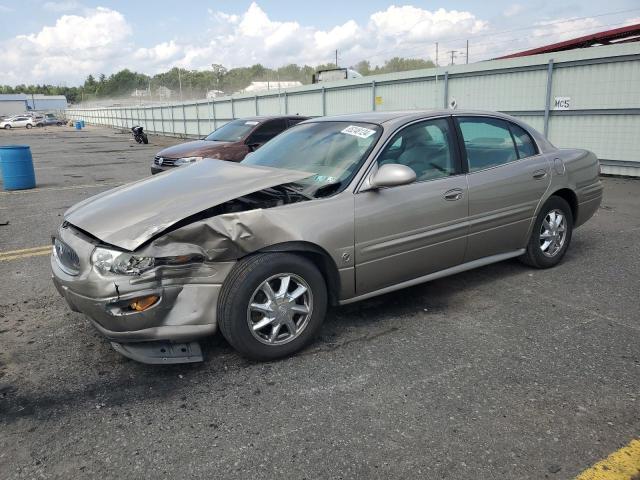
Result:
{"points": [[524, 142], [425, 147], [294, 121], [488, 142], [268, 130]]}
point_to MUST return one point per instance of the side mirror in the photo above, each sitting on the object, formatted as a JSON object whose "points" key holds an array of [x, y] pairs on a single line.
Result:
{"points": [[391, 175], [253, 146]]}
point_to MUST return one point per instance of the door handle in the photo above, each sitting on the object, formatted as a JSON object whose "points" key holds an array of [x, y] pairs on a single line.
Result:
{"points": [[538, 174], [452, 195]]}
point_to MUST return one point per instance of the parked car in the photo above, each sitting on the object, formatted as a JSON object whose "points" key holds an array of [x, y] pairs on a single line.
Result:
{"points": [[232, 142], [49, 120], [332, 211], [16, 122]]}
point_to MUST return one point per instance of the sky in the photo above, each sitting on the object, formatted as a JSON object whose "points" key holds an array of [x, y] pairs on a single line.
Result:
{"points": [[61, 42]]}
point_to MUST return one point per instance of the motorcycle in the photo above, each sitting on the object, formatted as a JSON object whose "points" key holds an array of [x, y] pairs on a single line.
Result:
{"points": [[139, 135]]}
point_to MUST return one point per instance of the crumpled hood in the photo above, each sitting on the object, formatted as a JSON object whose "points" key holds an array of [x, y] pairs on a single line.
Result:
{"points": [[129, 215], [197, 148]]}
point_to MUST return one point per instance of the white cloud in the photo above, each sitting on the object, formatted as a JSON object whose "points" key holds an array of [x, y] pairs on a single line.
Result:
{"points": [[99, 41], [252, 37], [63, 6], [67, 51]]}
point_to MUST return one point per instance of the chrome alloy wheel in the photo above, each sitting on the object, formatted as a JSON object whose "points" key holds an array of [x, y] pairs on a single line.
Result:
{"points": [[553, 233], [280, 309]]}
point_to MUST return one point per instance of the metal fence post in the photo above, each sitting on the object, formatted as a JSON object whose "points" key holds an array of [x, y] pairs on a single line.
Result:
{"points": [[255, 99], [446, 90], [184, 119], [233, 113], [373, 95], [198, 117], [173, 122], [161, 121], [547, 103], [211, 114], [324, 102], [213, 111], [286, 104]]}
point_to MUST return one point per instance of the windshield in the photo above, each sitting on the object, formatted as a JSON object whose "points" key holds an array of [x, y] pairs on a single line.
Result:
{"points": [[232, 131], [331, 152]]}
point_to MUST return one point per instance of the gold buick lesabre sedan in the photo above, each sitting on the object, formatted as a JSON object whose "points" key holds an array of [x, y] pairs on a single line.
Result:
{"points": [[332, 211]]}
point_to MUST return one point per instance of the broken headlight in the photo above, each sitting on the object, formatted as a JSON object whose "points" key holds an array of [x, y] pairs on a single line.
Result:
{"points": [[114, 261], [187, 160], [106, 260]]}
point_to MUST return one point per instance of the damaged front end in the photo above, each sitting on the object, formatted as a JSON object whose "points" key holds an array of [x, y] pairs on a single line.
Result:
{"points": [[146, 261]]}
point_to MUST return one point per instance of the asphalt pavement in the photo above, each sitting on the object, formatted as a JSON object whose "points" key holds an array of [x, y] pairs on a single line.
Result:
{"points": [[503, 372]]}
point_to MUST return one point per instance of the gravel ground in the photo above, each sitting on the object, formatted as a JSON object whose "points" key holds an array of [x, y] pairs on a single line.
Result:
{"points": [[503, 372]]}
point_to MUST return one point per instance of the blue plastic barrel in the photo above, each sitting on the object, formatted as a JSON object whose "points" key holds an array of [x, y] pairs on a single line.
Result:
{"points": [[17, 167], [78, 125]]}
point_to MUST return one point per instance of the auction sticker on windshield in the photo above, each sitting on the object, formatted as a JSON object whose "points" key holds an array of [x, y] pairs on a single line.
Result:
{"points": [[356, 131]]}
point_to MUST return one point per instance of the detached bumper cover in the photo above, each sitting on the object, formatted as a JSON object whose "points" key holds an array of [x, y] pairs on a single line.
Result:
{"points": [[181, 314]]}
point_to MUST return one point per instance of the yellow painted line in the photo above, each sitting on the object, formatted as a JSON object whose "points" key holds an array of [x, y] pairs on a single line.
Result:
{"points": [[25, 255], [25, 250], [53, 189], [623, 464]]}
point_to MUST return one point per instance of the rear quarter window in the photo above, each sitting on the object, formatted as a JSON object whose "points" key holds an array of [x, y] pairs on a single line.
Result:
{"points": [[524, 143]]}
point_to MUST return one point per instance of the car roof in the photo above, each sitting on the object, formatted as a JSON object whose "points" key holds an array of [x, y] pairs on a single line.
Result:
{"points": [[405, 115], [262, 118]]}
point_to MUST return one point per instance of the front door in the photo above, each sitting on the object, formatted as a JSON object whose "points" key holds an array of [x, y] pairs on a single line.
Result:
{"points": [[409, 231]]}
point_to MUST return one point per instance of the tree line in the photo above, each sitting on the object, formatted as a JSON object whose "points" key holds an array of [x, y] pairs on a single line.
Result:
{"points": [[196, 83]]}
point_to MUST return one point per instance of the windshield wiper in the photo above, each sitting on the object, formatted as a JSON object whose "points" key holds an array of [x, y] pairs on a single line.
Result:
{"points": [[286, 189], [327, 189]]}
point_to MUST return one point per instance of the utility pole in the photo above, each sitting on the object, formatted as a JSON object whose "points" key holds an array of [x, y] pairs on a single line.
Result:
{"points": [[453, 55], [467, 56], [436, 54]]}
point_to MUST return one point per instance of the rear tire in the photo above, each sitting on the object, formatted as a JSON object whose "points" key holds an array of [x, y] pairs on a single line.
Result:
{"points": [[551, 234], [257, 292], [28, 125]]}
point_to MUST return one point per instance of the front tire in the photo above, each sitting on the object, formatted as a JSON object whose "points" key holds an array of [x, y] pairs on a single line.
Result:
{"points": [[145, 139], [29, 126], [272, 305], [551, 234], [7, 127]]}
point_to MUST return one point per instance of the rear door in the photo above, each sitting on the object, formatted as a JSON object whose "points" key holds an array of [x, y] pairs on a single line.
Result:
{"points": [[507, 177], [409, 231]]}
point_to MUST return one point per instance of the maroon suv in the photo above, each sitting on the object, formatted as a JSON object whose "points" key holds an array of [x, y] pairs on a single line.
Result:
{"points": [[233, 141]]}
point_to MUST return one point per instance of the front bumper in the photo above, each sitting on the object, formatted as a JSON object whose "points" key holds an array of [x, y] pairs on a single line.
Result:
{"points": [[186, 306], [183, 313]]}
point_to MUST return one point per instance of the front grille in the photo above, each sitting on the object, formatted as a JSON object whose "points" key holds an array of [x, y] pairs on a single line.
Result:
{"points": [[164, 162], [66, 257]]}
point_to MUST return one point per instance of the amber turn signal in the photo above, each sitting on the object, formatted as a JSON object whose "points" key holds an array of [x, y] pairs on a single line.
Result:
{"points": [[142, 303]]}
